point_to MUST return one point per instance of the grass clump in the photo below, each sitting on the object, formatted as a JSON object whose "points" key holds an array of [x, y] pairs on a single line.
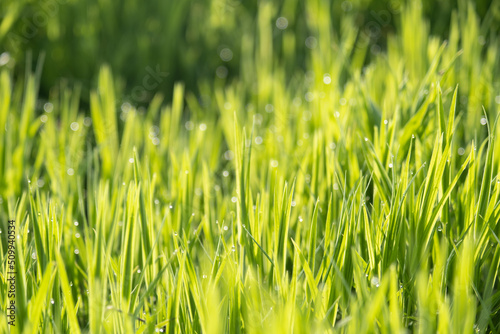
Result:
{"points": [[351, 196]]}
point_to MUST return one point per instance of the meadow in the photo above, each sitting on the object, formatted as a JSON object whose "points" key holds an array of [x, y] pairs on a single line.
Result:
{"points": [[218, 166]]}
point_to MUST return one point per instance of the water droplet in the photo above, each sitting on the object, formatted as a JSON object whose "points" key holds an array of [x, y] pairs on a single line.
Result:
{"points": [[33, 256], [336, 114], [366, 139], [375, 281], [77, 235], [226, 54], [234, 199], [175, 234], [233, 248], [138, 271], [225, 173], [281, 23], [413, 136], [70, 283], [70, 171], [43, 118], [77, 251], [157, 201], [274, 163], [461, 151], [52, 301], [131, 160], [390, 165], [484, 121], [48, 107], [294, 203], [74, 126], [225, 228], [327, 80], [311, 42], [76, 223], [189, 125]]}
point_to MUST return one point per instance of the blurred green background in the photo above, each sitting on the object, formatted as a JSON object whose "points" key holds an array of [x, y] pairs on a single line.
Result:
{"points": [[195, 41]]}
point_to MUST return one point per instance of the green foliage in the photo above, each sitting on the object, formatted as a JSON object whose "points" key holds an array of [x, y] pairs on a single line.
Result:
{"points": [[324, 188]]}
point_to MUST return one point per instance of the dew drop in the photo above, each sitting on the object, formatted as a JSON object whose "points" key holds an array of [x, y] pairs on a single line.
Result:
{"points": [[48, 107], [281, 23]]}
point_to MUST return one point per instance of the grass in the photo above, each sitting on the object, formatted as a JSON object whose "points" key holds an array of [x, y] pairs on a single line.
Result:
{"points": [[358, 194]]}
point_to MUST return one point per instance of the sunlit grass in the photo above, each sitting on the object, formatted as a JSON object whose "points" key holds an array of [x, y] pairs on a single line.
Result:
{"points": [[353, 198]]}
